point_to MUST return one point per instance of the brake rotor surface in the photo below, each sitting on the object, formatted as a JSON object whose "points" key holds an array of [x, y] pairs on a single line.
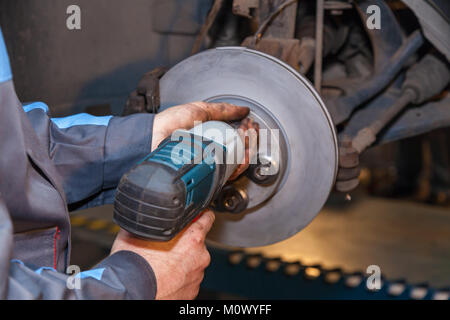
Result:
{"points": [[279, 98]]}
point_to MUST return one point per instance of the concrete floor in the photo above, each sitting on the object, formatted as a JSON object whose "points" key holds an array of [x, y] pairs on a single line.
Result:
{"points": [[405, 239]]}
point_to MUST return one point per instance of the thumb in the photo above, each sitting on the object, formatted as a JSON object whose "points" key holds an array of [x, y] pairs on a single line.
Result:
{"points": [[205, 220]]}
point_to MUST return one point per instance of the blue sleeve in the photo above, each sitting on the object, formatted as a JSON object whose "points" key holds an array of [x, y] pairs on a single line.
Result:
{"points": [[91, 153], [5, 68], [123, 275]]}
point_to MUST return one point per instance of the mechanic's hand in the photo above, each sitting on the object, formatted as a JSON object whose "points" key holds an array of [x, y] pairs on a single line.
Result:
{"points": [[178, 264], [183, 117]]}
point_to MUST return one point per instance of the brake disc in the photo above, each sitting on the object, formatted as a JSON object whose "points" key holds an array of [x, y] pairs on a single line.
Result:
{"points": [[279, 98]]}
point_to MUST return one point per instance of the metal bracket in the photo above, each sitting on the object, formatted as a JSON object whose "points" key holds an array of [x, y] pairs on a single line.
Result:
{"points": [[146, 96]]}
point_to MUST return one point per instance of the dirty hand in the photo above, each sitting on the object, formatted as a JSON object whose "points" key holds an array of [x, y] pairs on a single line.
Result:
{"points": [[184, 116], [178, 264]]}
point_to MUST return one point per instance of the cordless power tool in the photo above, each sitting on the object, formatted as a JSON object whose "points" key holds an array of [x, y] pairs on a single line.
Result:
{"points": [[165, 191]]}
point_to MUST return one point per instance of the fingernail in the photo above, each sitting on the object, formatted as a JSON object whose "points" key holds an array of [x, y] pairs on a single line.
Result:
{"points": [[211, 215], [206, 211]]}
